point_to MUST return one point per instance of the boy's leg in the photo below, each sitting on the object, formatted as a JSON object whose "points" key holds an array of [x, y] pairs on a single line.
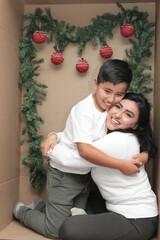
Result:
{"points": [[56, 211], [38, 204], [62, 188], [80, 201], [41, 207]]}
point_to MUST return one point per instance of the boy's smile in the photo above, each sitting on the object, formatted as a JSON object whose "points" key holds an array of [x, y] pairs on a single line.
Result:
{"points": [[108, 94]]}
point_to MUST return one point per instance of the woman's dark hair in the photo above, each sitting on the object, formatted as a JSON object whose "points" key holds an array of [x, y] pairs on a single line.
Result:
{"points": [[143, 131], [115, 71]]}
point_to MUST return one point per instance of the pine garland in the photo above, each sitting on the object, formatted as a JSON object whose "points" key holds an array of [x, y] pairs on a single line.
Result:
{"points": [[34, 159], [99, 31]]}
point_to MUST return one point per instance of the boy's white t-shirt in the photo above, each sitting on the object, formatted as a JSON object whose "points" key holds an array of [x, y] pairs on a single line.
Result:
{"points": [[84, 124]]}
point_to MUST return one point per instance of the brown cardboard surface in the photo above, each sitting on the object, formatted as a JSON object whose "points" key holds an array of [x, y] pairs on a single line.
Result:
{"points": [[10, 106], [11, 16], [9, 194], [65, 88], [27, 193], [16, 231], [10, 97]]}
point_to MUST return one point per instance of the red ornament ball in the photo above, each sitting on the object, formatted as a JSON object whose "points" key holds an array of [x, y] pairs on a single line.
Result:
{"points": [[39, 37], [82, 65], [106, 51], [57, 58], [127, 30]]}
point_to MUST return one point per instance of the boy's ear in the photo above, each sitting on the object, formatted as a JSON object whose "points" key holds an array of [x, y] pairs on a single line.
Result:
{"points": [[95, 83]]}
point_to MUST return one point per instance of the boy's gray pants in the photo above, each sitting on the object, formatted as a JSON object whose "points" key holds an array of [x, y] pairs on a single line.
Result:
{"points": [[64, 191]]}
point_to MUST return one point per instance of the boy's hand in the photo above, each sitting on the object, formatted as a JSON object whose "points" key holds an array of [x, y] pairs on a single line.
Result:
{"points": [[142, 157], [48, 144], [130, 167]]}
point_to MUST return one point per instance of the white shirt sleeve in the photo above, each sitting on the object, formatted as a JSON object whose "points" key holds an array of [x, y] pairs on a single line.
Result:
{"points": [[69, 158], [82, 129]]}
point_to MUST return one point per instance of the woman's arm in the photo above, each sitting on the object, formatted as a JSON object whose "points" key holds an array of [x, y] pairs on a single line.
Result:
{"points": [[49, 143]]}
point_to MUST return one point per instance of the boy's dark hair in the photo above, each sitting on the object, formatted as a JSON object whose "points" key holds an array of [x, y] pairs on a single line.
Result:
{"points": [[115, 71]]}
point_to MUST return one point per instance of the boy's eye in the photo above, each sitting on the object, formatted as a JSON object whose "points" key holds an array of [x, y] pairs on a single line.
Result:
{"points": [[107, 91], [120, 94]]}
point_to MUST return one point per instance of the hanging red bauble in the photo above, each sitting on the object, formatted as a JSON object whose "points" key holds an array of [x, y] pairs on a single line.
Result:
{"points": [[127, 30], [57, 58], [106, 51], [39, 37], [82, 65]]}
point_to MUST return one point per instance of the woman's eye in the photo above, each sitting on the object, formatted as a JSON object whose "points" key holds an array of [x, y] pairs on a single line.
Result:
{"points": [[128, 115], [117, 106]]}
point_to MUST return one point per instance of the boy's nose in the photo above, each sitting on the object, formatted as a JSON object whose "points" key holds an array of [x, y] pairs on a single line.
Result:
{"points": [[111, 99]]}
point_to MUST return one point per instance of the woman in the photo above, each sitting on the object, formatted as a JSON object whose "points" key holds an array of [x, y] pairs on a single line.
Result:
{"points": [[131, 204]]}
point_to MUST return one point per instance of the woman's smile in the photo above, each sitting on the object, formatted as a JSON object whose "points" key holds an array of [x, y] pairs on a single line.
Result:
{"points": [[114, 121], [123, 115]]}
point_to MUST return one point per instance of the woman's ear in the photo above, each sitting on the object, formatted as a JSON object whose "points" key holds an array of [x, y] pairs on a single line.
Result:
{"points": [[136, 125]]}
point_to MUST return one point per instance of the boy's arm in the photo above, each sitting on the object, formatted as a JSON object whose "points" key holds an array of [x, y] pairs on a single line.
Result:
{"points": [[95, 156]]}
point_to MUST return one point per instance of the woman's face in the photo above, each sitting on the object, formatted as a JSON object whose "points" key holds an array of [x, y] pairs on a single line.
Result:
{"points": [[123, 115]]}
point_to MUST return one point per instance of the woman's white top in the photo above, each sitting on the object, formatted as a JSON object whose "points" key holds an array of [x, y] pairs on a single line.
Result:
{"points": [[130, 196]]}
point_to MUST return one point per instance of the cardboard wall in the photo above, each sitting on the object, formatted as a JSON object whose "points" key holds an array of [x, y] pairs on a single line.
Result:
{"points": [[65, 88], [11, 13], [65, 85]]}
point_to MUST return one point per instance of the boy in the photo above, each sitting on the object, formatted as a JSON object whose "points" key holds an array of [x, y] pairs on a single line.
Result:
{"points": [[67, 188]]}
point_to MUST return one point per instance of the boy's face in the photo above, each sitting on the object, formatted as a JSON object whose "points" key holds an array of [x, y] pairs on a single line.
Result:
{"points": [[108, 94]]}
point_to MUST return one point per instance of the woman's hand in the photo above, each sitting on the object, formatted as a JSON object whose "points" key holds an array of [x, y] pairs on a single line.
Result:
{"points": [[142, 157], [48, 144], [131, 166]]}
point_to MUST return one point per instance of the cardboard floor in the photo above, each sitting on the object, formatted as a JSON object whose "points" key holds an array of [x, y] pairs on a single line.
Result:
{"points": [[16, 231]]}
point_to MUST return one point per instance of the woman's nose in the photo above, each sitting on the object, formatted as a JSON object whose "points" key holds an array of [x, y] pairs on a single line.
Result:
{"points": [[118, 114]]}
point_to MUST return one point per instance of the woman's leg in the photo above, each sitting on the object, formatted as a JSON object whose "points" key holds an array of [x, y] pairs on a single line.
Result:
{"points": [[147, 227], [105, 226], [80, 201]]}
